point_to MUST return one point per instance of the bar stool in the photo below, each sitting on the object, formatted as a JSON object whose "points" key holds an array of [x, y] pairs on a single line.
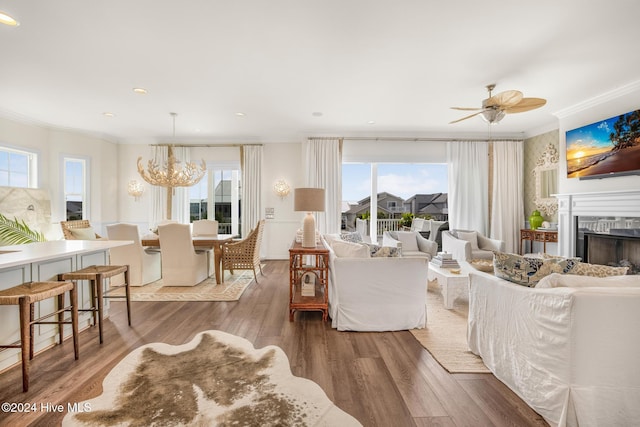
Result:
{"points": [[96, 274], [25, 296]]}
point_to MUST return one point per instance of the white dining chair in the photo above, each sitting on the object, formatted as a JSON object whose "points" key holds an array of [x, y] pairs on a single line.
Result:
{"points": [[144, 265], [181, 264], [205, 227]]}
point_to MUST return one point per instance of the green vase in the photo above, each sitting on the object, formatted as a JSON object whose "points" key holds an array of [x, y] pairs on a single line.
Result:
{"points": [[535, 220]]}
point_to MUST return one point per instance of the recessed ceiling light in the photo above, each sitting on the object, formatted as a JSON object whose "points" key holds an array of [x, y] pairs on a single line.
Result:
{"points": [[140, 90], [240, 114], [317, 114], [371, 122], [108, 114], [7, 19]]}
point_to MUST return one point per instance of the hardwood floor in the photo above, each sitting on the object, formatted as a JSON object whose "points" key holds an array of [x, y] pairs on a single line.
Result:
{"points": [[382, 379]]}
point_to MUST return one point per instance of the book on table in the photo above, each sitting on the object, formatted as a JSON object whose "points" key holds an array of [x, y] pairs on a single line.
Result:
{"points": [[445, 260]]}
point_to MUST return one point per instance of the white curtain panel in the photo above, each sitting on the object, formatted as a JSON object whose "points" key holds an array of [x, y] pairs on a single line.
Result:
{"points": [[507, 208], [468, 185], [251, 164], [180, 200], [158, 205], [324, 170]]}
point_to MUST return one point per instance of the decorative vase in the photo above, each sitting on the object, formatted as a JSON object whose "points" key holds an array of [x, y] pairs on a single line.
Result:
{"points": [[535, 220]]}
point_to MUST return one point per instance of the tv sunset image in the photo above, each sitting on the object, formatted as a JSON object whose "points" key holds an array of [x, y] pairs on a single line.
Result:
{"points": [[605, 147]]}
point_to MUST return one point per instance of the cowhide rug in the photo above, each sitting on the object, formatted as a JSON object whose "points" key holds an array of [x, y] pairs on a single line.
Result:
{"points": [[217, 379]]}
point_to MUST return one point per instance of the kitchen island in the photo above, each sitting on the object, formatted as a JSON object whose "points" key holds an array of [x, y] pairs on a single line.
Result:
{"points": [[43, 261]]}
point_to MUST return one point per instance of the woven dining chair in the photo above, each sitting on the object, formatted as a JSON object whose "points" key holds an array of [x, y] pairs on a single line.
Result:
{"points": [[243, 254], [68, 226]]}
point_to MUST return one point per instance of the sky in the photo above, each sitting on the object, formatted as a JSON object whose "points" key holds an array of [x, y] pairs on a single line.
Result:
{"points": [[591, 139], [402, 180]]}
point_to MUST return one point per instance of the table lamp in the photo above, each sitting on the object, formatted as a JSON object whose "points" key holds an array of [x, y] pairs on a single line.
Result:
{"points": [[308, 200]]}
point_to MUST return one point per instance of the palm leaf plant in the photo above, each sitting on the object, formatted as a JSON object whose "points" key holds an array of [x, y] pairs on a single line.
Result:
{"points": [[16, 232]]}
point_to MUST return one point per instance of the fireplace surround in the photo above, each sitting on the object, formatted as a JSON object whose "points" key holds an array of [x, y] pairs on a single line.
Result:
{"points": [[608, 223]]}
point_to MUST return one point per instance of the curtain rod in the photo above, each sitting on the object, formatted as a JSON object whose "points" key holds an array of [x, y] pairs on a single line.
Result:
{"points": [[206, 145], [364, 138]]}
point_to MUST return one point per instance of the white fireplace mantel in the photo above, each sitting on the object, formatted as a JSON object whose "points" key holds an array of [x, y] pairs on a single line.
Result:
{"points": [[621, 203]]}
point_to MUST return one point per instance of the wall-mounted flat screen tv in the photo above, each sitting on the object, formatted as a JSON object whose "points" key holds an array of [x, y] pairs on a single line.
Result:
{"points": [[609, 147]]}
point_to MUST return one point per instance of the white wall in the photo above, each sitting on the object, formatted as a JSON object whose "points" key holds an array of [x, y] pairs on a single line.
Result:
{"points": [[281, 161], [592, 112], [51, 145]]}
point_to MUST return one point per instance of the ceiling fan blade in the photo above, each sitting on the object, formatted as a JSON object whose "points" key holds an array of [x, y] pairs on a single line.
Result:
{"points": [[465, 118], [466, 108], [505, 99], [526, 104]]}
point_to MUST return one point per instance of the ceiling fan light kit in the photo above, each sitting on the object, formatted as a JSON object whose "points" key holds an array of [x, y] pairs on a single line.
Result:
{"points": [[495, 107]]}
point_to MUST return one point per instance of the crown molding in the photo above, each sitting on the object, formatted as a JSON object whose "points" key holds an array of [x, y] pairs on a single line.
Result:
{"points": [[600, 99]]}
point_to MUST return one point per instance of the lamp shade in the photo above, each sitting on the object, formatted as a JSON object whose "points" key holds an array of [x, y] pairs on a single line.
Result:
{"points": [[308, 199]]}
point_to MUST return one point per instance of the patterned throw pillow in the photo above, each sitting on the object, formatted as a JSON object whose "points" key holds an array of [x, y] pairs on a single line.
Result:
{"points": [[528, 271], [596, 270], [383, 251], [351, 236]]}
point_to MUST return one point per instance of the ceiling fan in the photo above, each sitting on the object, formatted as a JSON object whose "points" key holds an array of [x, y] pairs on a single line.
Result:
{"points": [[496, 106]]}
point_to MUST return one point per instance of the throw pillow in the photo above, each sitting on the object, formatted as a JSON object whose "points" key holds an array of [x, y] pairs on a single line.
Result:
{"points": [[384, 251], [596, 270], [471, 237], [351, 236], [527, 271], [557, 280], [408, 240], [83, 233], [349, 249]]}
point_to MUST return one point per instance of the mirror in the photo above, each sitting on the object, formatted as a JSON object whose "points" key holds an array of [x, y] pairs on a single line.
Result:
{"points": [[545, 176]]}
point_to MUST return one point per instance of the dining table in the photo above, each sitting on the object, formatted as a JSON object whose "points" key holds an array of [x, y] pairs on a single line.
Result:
{"points": [[214, 242]]}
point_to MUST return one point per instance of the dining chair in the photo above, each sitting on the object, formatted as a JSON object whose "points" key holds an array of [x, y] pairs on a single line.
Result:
{"points": [[181, 264], [144, 264], [78, 230], [205, 227], [244, 254]]}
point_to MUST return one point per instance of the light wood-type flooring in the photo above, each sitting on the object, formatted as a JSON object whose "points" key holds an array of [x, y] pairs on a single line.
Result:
{"points": [[382, 379]]}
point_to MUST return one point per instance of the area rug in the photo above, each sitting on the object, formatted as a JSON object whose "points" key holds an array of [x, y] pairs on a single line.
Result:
{"points": [[217, 379], [231, 290], [445, 336]]}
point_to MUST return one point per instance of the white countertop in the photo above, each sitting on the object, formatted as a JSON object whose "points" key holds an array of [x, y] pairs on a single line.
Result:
{"points": [[14, 255]]}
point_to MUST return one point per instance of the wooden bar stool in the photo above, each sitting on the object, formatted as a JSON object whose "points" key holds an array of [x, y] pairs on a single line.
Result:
{"points": [[25, 296], [96, 274]]}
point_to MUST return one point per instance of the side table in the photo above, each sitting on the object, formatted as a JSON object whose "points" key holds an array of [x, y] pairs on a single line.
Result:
{"points": [[302, 262], [537, 235]]}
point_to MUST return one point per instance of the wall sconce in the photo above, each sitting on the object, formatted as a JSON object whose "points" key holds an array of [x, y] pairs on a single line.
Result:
{"points": [[281, 188], [135, 189]]}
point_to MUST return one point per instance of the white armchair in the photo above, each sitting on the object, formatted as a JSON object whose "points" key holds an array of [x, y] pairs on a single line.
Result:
{"points": [[181, 264], [466, 245], [412, 244], [144, 266]]}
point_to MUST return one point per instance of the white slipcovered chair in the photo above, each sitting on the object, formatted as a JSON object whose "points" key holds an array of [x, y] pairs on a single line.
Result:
{"points": [[466, 245], [205, 227], [144, 266], [412, 244], [181, 264]]}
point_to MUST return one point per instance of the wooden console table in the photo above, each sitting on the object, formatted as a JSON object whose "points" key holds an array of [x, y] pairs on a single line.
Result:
{"points": [[537, 235], [305, 261]]}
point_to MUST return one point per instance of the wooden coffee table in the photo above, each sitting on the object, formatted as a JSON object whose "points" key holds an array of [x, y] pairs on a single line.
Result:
{"points": [[453, 285]]}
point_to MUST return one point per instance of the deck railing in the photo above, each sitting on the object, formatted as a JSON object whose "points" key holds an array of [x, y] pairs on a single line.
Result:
{"points": [[386, 224]]}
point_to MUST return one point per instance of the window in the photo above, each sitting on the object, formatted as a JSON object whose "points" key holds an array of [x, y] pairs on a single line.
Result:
{"points": [[416, 188], [18, 168], [75, 188], [218, 197]]}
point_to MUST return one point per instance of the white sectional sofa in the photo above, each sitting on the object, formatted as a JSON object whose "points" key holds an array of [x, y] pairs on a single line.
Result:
{"points": [[375, 294], [573, 354]]}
